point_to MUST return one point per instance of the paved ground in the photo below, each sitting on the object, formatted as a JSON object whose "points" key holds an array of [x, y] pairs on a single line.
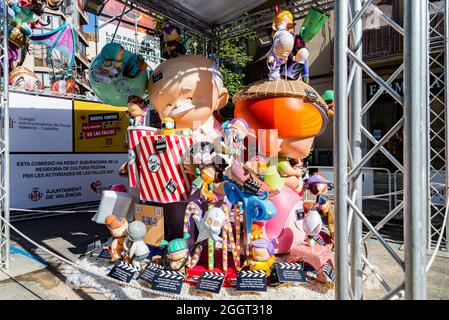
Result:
{"points": [[69, 235]]}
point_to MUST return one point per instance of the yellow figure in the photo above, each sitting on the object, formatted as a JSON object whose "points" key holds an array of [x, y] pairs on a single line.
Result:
{"points": [[283, 17], [262, 256], [168, 127]]}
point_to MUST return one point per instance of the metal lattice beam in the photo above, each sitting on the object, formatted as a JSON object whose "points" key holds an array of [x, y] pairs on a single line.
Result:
{"points": [[4, 140], [264, 19], [349, 128], [438, 135]]}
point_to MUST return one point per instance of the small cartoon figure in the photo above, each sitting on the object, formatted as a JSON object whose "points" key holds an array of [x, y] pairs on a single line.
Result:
{"points": [[172, 42], [262, 255], [233, 136], [136, 249], [168, 126], [177, 253], [118, 227]]}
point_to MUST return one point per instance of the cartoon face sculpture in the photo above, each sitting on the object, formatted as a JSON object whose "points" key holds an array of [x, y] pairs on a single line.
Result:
{"points": [[210, 225], [25, 78], [188, 89]]}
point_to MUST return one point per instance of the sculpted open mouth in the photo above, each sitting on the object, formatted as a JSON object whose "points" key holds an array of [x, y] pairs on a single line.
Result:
{"points": [[181, 109]]}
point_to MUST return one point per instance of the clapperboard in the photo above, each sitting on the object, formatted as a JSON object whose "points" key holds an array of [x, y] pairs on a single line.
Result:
{"points": [[171, 186], [103, 253], [252, 186], [168, 281], [211, 282], [290, 272], [319, 241], [123, 271], [161, 144], [251, 280], [150, 272], [91, 247], [329, 272]]}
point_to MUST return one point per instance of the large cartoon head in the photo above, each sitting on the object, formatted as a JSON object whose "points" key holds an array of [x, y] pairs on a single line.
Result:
{"points": [[188, 89], [292, 110]]}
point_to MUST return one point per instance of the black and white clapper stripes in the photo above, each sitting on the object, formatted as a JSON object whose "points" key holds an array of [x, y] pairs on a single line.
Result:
{"points": [[127, 266], [329, 271], [289, 266], [253, 274], [175, 275], [213, 275]]}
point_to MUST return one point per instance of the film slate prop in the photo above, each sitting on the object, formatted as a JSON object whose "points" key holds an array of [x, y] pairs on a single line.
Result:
{"points": [[211, 282], [92, 247], [168, 281], [290, 272], [123, 271], [251, 280], [103, 253], [150, 272]]}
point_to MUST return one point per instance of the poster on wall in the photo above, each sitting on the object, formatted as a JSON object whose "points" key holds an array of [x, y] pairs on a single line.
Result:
{"points": [[99, 128], [40, 123], [44, 180], [147, 45]]}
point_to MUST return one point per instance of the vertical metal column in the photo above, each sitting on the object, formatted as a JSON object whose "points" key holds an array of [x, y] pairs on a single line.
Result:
{"points": [[340, 155], [356, 148], [414, 178], [350, 160], [437, 32], [4, 142], [446, 103]]}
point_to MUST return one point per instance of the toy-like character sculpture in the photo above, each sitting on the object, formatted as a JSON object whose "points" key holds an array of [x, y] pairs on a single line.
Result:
{"points": [[282, 19], [297, 66], [233, 136], [328, 96], [283, 42], [319, 187], [25, 16], [65, 86], [209, 228], [292, 171], [189, 89], [177, 253], [118, 227], [293, 108], [24, 78], [262, 256], [117, 75], [136, 249], [173, 46], [312, 225], [137, 110]]}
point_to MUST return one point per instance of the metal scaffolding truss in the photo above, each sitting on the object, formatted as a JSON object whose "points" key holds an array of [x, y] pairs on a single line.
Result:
{"points": [[244, 24], [349, 160], [438, 134], [264, 19], [4, 140]]}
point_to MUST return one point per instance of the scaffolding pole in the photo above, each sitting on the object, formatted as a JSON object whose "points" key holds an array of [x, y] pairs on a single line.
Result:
{"points": [[349, 128], [340, 155], [356, 183], [414, 125], [4, 143]]}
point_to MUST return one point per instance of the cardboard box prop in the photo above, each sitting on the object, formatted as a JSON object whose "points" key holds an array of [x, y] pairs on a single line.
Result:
{"points": [[153, 218]]}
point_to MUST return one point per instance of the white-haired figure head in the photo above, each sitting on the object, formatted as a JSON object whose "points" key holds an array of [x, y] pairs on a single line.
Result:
{"points": [[188, 89], [283, 43]]}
